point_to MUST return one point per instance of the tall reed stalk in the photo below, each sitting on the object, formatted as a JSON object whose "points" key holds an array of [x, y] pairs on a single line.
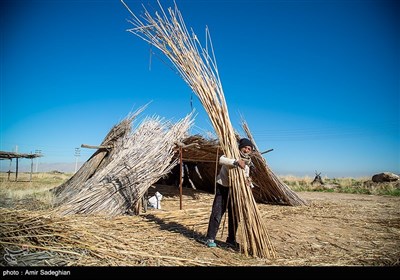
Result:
{"points": [[167, 31]]}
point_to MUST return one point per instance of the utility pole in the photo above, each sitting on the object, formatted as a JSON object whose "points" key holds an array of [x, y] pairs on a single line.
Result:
{"points": [[16, 164], [39, 152], [77, 154]]}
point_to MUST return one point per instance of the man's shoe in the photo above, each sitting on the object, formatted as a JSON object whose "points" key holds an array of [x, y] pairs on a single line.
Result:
{"points": [[210, 243], [232, 243]]}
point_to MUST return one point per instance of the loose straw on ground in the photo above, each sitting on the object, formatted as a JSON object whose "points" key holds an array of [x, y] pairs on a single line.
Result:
{"points": [[36, 238], [198, 68]]}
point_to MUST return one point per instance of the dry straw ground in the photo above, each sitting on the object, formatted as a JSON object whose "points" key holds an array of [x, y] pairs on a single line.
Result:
{"points": [[335, 229]]}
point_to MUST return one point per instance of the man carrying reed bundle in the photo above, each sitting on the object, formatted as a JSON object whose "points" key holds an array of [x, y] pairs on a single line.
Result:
{"points": [[167, 32], [222, 199]]}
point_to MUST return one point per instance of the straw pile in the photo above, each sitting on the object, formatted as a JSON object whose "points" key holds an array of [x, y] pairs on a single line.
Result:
{"points": [[268, 186], [198, 68], [137, 161], [32, 238]]}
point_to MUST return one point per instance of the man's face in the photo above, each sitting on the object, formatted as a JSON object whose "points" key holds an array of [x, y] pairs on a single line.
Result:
{"points": [[246, 149]]}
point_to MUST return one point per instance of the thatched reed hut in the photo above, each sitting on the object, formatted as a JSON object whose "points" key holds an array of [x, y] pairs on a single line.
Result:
{"points": [[201, 167], [122, 169]]}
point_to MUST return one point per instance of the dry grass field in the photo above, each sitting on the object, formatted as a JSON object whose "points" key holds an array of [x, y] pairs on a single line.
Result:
{"points": [[335, 229]]}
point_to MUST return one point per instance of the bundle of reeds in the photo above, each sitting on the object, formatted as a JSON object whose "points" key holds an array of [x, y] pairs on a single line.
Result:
{"points": [[138, 160], [269, 187], [198, 68]]}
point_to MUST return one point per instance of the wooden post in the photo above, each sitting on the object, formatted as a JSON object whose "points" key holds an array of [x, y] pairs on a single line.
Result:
{"points": [[30, 176], [96, 147], [180, 177], [9, 170], [181, 146], [16, 170], [267, 151]]}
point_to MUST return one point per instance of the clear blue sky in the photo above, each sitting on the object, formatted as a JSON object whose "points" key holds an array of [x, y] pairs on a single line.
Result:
{"points": [[317, 81]]}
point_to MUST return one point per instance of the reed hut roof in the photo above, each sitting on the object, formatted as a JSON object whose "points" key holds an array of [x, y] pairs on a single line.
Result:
{"points": [[111, 182], [11, 155]]}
